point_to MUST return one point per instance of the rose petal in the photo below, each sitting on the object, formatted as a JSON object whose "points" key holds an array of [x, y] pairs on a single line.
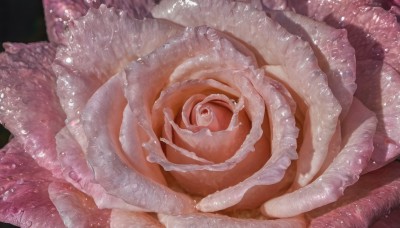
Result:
{"points": [[29, 107], [283, 149], [373, 32], [171, 97], [77, 172], [333, 50], [371, 198], [24, 200], [379, 90], [375, 35], [150, 74], [58, 13], [101, 123], [391, 220], [214, 220], [276, 46], [75, 208], [358, 131], [98, 46], [131, 138], [120, 218]]}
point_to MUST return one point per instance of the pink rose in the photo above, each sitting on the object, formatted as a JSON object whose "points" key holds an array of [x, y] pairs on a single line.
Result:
{"points": [[204, 114]]}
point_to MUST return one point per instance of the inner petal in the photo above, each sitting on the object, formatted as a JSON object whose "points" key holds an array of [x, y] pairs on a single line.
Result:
{"points": [[212, 115], [213, 112], [223, 119]]}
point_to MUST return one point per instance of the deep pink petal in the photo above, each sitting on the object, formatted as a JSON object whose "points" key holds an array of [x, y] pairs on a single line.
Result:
{"points": [[29, 107], [24, 199], [75, 208], [59, 13], [390, 220], [371, 198]]}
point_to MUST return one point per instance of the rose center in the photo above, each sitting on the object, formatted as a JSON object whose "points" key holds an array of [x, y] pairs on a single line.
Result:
{"points": [[214, 115]]}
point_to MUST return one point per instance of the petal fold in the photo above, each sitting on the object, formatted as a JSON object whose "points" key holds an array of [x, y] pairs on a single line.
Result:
{"points": [[358, 131], [75, 208]]}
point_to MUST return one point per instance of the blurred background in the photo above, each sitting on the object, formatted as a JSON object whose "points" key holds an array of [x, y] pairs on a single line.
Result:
{"points": [[20, 21]]}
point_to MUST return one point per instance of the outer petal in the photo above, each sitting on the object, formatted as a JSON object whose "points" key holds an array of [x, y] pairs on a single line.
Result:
{"points": [[371, 198], [29, 107], [333, 50], [24, 200], [373, 32], [218, 221], [59, 13], [375, 35], [388, 221], [379, 90], [75, 208], [76, 171], [98, 46], [358, 131]]}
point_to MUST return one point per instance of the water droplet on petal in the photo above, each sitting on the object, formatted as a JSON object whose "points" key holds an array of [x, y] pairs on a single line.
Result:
{"points": [[73, 176]]}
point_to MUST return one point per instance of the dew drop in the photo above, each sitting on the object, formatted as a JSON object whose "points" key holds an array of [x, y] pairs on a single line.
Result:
{"points": [[73, 176]]}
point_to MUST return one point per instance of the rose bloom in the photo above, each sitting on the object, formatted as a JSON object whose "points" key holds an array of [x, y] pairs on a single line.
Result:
{"points": [[204, 113]]}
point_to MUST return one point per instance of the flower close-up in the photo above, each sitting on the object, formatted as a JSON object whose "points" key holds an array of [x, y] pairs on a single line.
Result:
{"points": [[204, 113]]}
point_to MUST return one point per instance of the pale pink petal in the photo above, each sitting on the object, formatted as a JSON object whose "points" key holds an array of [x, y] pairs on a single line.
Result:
{"points": [[213, 220], [283, 150], [24, 200], [275, 46], [333, 50], [373, 197], [77, 172], [131, 138], [207, 144], [375, 35], [373, 32], [29, 107], [120, 218], [174, 62], [357, 132], [379, 90], [59, 13], [98, 46], [102, 119], [75, 208], [171, 98]]}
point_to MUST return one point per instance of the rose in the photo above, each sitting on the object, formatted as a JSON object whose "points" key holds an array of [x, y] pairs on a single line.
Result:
{"points": [[121, 186]]}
